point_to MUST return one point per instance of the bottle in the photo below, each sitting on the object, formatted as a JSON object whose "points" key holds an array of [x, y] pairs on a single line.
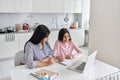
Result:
{"points": [[76, 24]]}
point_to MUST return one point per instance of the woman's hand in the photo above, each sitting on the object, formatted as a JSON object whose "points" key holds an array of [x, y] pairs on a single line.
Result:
{"points": [[50, 61], [60, 59], [68, 57]]}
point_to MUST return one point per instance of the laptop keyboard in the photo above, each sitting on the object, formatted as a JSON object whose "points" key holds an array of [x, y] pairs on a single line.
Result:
{"points": [[81, 66]]}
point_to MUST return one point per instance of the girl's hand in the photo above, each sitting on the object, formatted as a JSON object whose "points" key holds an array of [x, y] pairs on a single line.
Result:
{"points": [[68, 57], [60, 59]]}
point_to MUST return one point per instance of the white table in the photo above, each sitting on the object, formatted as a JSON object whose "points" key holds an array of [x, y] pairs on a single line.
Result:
{"points": [[99, 69]]}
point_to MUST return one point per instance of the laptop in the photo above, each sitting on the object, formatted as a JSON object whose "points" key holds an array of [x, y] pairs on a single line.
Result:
{"points": [[80, 66]]}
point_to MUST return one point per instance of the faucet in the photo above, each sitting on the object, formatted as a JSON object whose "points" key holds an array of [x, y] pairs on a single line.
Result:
{"points": [[54, 22]]}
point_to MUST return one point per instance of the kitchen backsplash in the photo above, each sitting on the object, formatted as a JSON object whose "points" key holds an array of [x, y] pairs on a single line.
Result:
{"points": [[49, 19]]}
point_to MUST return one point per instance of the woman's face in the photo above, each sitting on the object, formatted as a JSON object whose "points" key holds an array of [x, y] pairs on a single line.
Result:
{"points": [[66, 37], [46, 39]]}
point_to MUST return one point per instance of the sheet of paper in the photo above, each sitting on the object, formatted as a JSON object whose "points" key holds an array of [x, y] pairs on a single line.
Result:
{"points": [[68, 61]]}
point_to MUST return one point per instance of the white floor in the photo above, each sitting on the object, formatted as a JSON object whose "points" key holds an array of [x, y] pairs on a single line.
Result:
{"points": [[5, 65]]}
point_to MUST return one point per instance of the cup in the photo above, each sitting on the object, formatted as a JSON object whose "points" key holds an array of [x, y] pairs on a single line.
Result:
{"points": [[17, 26]]}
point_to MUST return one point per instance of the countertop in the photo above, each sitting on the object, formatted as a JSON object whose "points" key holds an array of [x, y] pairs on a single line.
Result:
{"points": [[52, 29]]}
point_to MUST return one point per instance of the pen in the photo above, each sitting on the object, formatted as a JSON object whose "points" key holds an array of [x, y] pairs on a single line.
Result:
{"points": [[61, 63], [34, 75]]}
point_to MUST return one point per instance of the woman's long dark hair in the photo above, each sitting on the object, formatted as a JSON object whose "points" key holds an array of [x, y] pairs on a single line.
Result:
{"points": [[61, 34], [39, 34]]}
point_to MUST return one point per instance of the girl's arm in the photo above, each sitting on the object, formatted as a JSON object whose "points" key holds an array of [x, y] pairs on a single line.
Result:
{"points": [[77, 49], [56, 49]]}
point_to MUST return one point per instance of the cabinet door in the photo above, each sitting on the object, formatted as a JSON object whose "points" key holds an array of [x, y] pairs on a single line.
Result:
{"points": [[7, 6], [78, 36], [23, 5], [68, 6], [55, 6], [72, 6], [8, 48], [52, 38], [77, 6], [23, 38], [40, 5]]}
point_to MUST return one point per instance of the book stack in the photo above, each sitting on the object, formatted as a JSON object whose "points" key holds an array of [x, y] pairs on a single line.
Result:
{"points": [[44, 74]]}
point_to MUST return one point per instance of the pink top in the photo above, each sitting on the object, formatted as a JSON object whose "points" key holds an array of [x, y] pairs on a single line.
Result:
{"points": [[63, 49]]}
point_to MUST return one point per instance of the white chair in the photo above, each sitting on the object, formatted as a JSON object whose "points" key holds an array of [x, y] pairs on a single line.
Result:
{"points": [[18, 58]]}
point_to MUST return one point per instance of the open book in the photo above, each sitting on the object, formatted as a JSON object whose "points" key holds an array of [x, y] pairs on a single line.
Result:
{"points": [[51, 74]]}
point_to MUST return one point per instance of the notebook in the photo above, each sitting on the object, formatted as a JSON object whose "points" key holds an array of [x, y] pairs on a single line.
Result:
{"points": [[38, 75], [80, 66]]}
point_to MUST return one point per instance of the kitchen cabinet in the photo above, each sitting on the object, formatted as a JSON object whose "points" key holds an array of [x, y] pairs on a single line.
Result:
{"points": [[72, 6], [78, 36], [85, 14], [57, 6], [23, 38], [15, 5], [68, 7], [8, 48], [40, 6], [23, 5], [52, 38], [7, 6], [77, 6]]}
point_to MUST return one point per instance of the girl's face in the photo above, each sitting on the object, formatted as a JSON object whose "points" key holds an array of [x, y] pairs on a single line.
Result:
{"points": [[66, 37]]}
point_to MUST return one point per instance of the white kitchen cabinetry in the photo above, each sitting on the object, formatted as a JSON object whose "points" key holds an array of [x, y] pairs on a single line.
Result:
{"points": [[77, 6], [8, 48], [52, 38], [7, 6], [68, 7], [40, 5], [55, 6], [78, 36], [23, 38], [72, 6], [23, 5]]}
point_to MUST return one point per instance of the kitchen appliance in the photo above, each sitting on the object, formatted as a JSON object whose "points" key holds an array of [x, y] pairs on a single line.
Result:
{"points": [[2, 30], [25, 26], [9, 29]]}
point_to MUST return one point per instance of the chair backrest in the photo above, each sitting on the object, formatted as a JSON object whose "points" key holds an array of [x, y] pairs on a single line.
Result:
{"points": [[18, 58]]}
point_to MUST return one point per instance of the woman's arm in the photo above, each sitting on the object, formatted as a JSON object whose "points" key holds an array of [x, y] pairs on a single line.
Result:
{"points": [[45, 62]]}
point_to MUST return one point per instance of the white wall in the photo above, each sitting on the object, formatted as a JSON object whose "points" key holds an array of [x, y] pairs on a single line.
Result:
{"points": [[10, 19], [105, 30]]}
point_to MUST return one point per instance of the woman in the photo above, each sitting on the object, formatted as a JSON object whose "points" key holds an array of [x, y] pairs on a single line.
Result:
{"points": [[64, 46], [37, 51]]}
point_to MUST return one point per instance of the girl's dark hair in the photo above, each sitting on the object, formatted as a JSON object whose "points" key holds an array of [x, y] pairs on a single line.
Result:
{"points": [[61, 34], [39, 34]]}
